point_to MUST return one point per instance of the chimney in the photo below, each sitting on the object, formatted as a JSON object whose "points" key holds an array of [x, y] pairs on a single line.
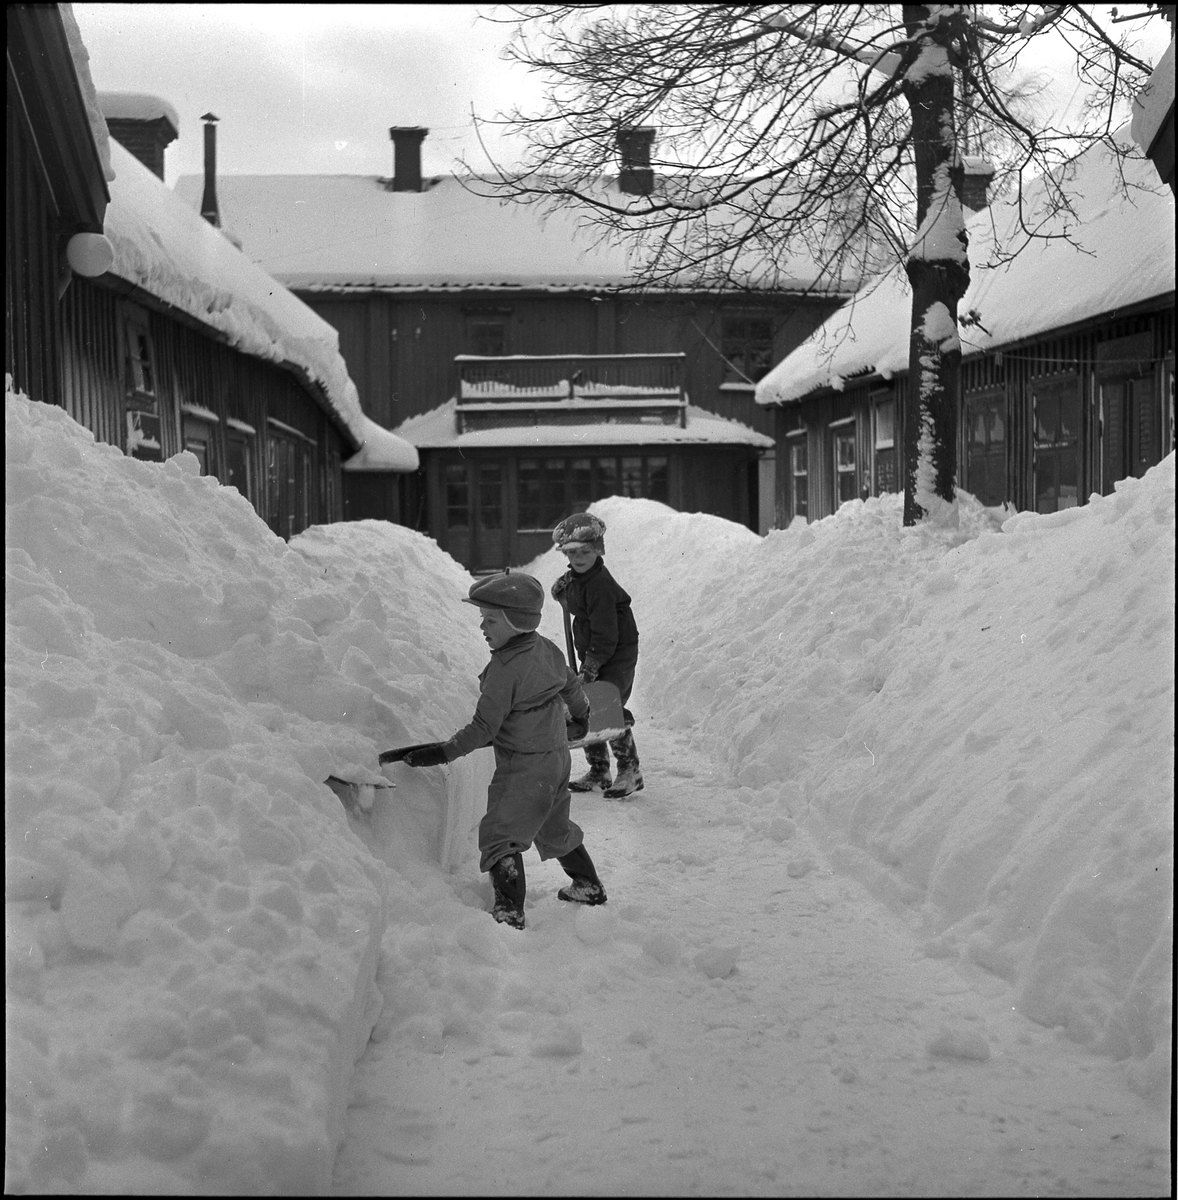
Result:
{"points": [[636, 177], [975, 186], [142, 125], [209, 209], [407, 141]]}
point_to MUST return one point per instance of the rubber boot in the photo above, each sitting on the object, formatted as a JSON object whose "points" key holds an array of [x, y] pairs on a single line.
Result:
{"points": [[598, 775], [586, 887], [629, 778], [507, 878]]}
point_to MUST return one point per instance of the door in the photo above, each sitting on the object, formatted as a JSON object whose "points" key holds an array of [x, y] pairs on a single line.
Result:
{"points": [[985, 441], [490, 525], [474, 503], [1056, 416]]}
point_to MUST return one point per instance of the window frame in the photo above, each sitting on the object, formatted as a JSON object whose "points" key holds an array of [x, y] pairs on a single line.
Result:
{"points": [[737, 346], [1055, 452], [795, 441], [844, 432], [607, 477]]}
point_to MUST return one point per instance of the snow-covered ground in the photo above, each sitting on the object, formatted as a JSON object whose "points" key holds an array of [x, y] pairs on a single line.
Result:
{"points": [[893, 915]]}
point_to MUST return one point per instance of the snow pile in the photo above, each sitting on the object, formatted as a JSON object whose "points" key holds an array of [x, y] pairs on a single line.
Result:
{"points": [[973, 717], [976, 720], [192, 925]]}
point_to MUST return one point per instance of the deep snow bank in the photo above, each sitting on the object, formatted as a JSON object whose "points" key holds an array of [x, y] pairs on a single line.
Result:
{"points": [[976, 719], [192, 928]]}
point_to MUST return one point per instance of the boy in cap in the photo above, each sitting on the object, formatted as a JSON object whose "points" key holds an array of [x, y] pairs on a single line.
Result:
{"points": [[520, 714], [606, 637]]}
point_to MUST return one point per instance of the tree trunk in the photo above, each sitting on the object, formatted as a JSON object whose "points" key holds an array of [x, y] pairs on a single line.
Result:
{"points": [[938, 266]]}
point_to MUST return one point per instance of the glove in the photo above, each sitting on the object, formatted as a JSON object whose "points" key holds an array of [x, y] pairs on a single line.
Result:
{"points": [[432, 755], [589, 670], [559, 586], [575, 730]]}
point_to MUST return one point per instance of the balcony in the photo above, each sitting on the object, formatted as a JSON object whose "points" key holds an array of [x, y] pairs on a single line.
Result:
{"points": [[514, 391]]}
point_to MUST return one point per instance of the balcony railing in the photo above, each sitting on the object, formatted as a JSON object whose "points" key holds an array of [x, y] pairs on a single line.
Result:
{"points": [[516, 390]]}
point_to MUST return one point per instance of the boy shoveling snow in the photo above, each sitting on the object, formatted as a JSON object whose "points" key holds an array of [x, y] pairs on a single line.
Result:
{"points": [[520, 714], [606, 637]]}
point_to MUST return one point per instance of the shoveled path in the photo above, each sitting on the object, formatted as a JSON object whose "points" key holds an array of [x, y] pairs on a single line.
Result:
{"points": [[592, 1054]]}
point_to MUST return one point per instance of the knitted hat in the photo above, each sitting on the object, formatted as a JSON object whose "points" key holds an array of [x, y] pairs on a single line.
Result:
{"points": [[520, 597], [581, 529]]}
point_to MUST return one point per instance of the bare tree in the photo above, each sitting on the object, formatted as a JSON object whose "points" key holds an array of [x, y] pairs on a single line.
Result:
{"points": [[828, 138]]}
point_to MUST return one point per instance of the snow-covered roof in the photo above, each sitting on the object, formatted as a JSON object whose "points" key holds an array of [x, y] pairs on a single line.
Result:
{"points": [[349, 232], [81, 59], [137, 106], [1155, 101], [437, 430], [1125, 256], [165, 247]]}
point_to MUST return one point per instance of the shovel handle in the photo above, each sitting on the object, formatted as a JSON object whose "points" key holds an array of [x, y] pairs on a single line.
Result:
{"points": [[568, 635]]}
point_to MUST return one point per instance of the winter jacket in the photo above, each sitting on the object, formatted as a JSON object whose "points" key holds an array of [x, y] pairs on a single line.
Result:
{"points": [[519, 707], [603, 622]]}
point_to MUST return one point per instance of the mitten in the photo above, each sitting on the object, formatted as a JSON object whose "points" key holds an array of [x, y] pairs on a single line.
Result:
{"points": [[431, 755], [575, 730], [589, 670], [559, 586]]}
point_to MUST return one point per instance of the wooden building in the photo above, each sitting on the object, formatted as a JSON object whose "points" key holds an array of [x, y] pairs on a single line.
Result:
{"points": [[1067, 379], [417, 273], [529, 439], [145, 323]]}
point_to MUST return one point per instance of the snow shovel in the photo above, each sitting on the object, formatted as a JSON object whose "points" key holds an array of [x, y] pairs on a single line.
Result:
{"points": [[606, 719], [399, 753]]}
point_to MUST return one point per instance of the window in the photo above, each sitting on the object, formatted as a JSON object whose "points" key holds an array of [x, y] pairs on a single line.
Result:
{"points": [[139, 375], [985, 447], [140, 360], [747, 347], [239, 472], [799, 479], [457, 497], [846, 476], [1056, 444], [198, 435], [551, 488], [486, 333], [883, 439], [490, 496], [289, 479]]}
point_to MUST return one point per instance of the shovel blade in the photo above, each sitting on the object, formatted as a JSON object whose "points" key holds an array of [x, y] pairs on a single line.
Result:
{"points": [[606, 718]]}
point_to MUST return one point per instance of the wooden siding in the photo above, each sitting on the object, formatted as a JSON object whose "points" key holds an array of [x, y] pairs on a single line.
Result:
{"points": [[1084, 363], [256, 405], [31, 263], [720, 480], [400, 347]]}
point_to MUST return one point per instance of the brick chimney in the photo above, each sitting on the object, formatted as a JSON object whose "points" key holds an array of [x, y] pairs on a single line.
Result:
{"points": [[407, 141], [209, 208], [143, 125], [975, 187], [636, 177]]}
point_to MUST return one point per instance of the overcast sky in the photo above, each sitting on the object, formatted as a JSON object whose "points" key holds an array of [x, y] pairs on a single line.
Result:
{"points": [[309, 88]]}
